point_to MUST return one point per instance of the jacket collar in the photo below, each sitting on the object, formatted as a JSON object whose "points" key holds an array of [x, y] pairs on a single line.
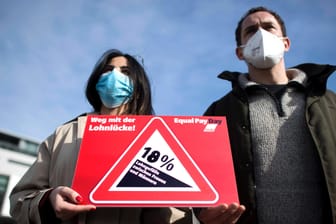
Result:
{"points": [[294, 76], [317, 75]]}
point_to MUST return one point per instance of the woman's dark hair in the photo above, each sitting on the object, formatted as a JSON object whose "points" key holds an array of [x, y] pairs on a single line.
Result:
{"points": [[141, 99], [254, 10]]}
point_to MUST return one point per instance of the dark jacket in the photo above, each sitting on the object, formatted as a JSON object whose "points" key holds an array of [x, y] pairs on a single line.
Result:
{"points": [[320, 114]]}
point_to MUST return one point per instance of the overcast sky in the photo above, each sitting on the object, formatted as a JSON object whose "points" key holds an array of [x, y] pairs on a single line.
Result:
{"points": [[48, 49]]}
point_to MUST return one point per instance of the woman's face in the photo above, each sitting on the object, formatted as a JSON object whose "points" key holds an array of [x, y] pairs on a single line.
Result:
{"points": [[120, 63]]}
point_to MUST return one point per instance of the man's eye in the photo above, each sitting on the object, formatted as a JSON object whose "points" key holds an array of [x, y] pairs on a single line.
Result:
{"points": [[251, 31], [268, 27]]}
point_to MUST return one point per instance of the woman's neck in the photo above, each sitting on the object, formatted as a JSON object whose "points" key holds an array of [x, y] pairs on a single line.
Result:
{"points": [[112, 111]]}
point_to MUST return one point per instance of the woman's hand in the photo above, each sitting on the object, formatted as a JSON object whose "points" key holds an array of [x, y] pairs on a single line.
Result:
{"points": [[222, 214], [67, 203]]}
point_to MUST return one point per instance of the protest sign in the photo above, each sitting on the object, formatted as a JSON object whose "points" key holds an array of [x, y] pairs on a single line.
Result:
{"points": [[155, 161]]}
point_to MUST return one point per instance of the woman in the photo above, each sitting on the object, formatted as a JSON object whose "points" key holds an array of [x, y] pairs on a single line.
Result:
{"points": [[118, 85]]}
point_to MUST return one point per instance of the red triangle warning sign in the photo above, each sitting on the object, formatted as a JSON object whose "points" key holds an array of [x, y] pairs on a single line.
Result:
{"points": [[153, 162]]}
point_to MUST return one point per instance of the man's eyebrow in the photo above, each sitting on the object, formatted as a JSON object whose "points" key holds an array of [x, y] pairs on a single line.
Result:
{"points": [[268, 23], [257, 25]]}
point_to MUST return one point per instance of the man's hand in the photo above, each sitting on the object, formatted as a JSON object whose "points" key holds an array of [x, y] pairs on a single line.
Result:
{"points": [[67, 203], [222, 214]]}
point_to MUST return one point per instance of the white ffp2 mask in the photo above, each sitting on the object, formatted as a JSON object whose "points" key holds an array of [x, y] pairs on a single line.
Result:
{"points": [[264, 49]]}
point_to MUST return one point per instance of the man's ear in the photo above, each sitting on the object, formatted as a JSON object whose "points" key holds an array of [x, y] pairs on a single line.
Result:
{"points": [[287, 43], [239, 53]]}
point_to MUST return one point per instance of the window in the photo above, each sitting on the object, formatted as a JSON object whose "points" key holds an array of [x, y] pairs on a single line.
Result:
{"points": [[3, 187], [28, 147], [18, 144]]}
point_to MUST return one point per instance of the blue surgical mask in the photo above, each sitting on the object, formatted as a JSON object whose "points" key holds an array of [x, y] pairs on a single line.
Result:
{"points": [[114, 88]]}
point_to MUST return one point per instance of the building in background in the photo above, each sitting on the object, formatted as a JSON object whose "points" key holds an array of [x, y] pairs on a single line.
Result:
{"points": [[16, 155]]}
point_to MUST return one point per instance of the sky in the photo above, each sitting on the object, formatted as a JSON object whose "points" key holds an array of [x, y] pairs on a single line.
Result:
{"points": [[48, 50]]}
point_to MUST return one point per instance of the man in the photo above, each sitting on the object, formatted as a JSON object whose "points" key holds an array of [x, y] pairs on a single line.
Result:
{"points": [[282, 127]]}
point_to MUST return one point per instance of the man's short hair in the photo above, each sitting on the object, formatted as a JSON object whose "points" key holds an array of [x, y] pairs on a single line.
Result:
{"points": [[254, 10]]}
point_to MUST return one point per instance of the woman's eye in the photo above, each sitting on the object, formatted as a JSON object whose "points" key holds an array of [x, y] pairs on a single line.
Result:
{"points": [[125, 71], [108, 68]]}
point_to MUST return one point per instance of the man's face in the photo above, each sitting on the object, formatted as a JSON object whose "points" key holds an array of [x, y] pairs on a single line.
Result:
{"points": [[257, 20]]}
